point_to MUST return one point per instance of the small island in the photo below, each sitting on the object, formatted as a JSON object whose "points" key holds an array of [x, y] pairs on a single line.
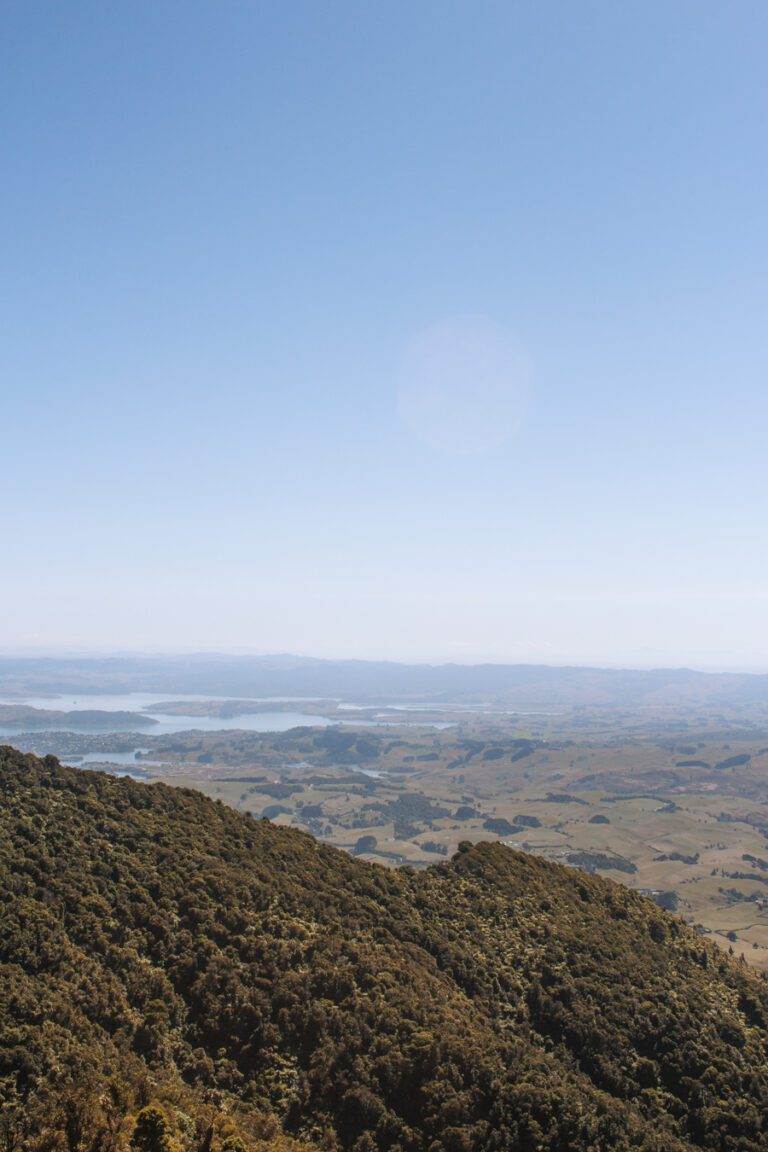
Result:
{"points": [[28, 719]]}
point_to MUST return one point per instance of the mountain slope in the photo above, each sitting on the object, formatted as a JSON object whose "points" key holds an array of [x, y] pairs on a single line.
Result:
{"points": [[157, 946]]}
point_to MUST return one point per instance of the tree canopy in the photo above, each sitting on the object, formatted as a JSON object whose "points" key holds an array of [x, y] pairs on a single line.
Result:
{"points": [[177, 976]]}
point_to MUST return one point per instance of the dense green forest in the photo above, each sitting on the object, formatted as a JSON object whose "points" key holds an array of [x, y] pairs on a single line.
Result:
{"points": [[179, 977]]}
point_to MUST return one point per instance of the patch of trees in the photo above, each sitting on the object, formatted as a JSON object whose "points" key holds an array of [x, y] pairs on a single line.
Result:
{"points": [[415, 806], [434, 846], [523, 748], [666, 898], [243, 779], [524, 821], [679, 857], [465, 812], [280, 791], [591, 861], [500, 826], [733, 762], [563, 798], [342, 747], [311, 811], [272, 811]]}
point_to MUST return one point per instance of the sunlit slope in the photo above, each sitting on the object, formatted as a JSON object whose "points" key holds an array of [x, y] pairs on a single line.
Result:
{"points": [[157, 944]]}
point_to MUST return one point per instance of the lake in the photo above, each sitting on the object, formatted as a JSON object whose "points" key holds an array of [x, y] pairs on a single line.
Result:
{"points": [[146, 702]]}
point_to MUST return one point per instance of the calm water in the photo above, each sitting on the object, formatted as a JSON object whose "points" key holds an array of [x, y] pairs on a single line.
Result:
{"points": [[125, 760], [146, 702], [128, 758]]}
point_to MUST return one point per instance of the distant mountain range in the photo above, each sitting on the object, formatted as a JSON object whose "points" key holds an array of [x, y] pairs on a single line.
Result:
{"points": [[523, 685]]}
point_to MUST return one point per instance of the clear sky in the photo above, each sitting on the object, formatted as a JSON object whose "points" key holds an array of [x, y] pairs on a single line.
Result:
{"points": [[418, 330]]}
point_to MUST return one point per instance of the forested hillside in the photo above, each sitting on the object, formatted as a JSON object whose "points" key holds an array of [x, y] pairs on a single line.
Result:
{"points": [[178, 976]]}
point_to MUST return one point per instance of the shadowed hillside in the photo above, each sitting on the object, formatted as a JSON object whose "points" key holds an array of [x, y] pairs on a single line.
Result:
{"points": [[160, 951]]}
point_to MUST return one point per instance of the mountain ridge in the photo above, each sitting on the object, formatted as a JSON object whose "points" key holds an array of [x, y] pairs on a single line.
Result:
{"points": [[377, 680], [245, 975]]}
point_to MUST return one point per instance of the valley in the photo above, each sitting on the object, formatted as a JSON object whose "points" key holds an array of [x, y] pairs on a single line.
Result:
{"points": [[669, 800], [689, 828]]}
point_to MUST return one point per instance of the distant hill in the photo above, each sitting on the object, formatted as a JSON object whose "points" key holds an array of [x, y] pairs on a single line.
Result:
{"points": [[90, 720], [180, 975], [515, 684]]}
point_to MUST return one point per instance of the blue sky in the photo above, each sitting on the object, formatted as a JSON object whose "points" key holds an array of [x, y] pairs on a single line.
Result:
{"points": [[427, 331]]}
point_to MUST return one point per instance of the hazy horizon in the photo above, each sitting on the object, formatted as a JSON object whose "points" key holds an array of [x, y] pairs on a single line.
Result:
{"points": [[406, 332], [95, 653]]}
